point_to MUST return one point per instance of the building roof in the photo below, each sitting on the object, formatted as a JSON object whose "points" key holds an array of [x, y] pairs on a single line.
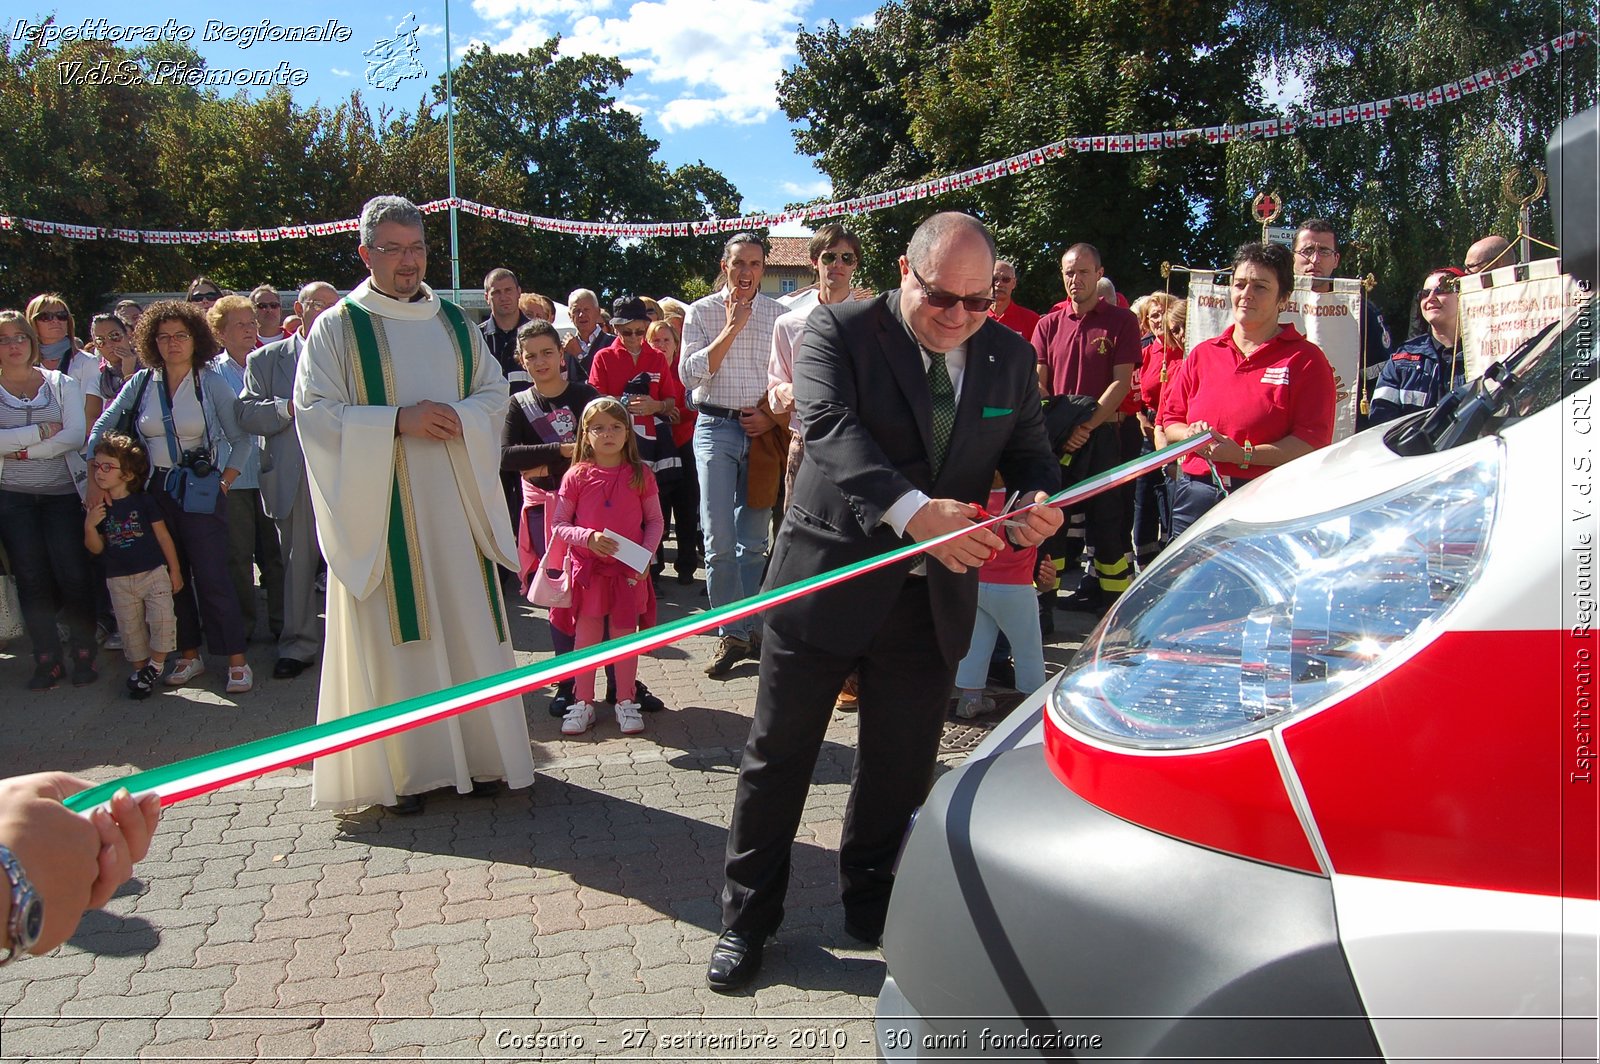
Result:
{"points": [[788, 251]]}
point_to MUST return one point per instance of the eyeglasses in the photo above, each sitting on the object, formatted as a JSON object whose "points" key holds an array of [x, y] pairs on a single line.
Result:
{"points": [[1312, 252], [944, 300], [395, 251], [106, 467], [631, 334], [13, 341], [274, 305], [52, 315], [173, 338], [829, 257], [1443, 288], [316, 304], [205, 297]]}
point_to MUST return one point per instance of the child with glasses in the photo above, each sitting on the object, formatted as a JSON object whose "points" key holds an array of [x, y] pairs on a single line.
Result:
{"points": [[141, 561]]}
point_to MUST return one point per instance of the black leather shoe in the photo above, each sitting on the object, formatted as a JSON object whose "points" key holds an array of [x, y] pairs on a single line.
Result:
{"points": [[858, 930], [406, 805], [735, 960], [486, 788], [289, 668], [648, 702]]}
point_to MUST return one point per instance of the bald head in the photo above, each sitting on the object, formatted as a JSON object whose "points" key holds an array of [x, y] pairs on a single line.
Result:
{"points": [[943, 231], [1489, 253]]}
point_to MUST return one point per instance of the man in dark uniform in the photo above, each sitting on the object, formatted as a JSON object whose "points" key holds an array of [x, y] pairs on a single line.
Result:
{"points": [[910, 403], [502, 292]]}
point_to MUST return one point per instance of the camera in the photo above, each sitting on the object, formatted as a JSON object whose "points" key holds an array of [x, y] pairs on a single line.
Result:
{"points": [[198, 460]]}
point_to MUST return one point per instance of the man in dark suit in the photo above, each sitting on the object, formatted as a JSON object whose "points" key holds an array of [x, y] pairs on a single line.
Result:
{"points": [[266, 408], [910, 403]]}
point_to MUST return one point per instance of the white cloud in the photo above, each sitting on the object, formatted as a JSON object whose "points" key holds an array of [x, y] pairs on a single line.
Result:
{"points": [[810, 190], [430, 29], [632, 108], [338, 73], [717, 60], [864, 22], [791, 229]]}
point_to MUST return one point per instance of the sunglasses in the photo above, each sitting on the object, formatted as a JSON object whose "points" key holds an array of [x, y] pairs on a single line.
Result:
{"points": [[829, 257], [944, 300], [631, 334], [52, 315], [205, 297], [1444, 288], [268, 306]]}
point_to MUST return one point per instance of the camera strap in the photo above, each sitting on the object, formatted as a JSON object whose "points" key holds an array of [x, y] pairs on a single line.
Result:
{"points": [[175, 451]]}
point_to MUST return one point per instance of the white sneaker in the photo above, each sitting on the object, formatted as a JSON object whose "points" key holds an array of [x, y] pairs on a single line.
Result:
{"points": [[240, 679], [184, 671], [629, 718], [579, 719]]}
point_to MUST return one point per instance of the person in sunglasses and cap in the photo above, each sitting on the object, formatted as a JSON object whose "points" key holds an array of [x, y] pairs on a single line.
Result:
{"points": [[1428, 365]]}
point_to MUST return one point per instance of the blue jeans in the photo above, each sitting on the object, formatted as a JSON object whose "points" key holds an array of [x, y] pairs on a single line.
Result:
{"points": [[43, 538], [735, 534], [1014, 610]]}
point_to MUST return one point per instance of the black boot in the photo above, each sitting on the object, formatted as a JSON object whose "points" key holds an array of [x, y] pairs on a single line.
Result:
{"points": [[563, 699]]}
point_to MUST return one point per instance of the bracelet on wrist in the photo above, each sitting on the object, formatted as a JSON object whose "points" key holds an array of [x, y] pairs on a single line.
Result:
{"points": [[1249, 453]]}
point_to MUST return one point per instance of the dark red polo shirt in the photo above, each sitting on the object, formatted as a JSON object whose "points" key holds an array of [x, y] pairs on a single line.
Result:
{"points": [[1285, 388], [1081, 352]]}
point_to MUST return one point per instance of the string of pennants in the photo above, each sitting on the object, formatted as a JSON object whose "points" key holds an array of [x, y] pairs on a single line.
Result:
{"points": [[1288, 125]]}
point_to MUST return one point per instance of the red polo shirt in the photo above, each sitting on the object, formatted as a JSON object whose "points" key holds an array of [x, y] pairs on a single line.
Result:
{"points": [[1160, 364], [1082, 352], [1017, 318], [1285, 388]]}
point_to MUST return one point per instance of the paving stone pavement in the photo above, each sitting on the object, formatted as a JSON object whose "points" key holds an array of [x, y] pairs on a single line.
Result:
{"points": [[570, 921]]}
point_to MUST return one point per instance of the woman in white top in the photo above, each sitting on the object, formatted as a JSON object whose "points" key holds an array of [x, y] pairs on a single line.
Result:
{"points": [[59, 349], [41, 513], [175, 343]]}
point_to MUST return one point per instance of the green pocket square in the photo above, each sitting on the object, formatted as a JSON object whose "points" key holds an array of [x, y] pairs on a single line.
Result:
{"points": [[996, 411]]}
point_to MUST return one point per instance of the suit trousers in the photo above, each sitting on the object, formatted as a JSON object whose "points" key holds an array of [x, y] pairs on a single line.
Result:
{"points": [[302, 603], [253, 541], [904, 691]]}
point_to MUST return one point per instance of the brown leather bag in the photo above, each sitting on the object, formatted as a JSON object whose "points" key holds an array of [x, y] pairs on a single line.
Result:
{"points": [[769, 453]]}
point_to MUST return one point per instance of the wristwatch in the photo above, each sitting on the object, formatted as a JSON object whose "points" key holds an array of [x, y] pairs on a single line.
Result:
{"points": [[27, 908]]}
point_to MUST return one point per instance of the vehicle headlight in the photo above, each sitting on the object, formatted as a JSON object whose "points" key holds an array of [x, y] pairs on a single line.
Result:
{"points": [[1248, 623]]}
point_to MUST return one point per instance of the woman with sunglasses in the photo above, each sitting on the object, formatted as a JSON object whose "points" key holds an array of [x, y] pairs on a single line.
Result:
{"points": [[1428, 365], [181, 408], [1264, 390], [59, 350], [41, 515]]}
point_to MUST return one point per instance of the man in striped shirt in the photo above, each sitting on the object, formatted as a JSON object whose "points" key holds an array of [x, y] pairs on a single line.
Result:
{"points": [[727, 341]]}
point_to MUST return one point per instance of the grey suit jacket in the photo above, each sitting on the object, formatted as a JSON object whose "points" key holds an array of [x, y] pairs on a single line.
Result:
{"points": [[862, 395], [269, 377]]}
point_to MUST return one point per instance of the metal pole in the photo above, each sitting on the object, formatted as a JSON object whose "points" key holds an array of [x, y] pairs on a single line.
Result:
{"points": [[450, 151]]}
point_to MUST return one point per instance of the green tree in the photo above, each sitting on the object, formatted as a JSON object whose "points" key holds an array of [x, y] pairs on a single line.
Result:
{"points": [[1411, 193]]}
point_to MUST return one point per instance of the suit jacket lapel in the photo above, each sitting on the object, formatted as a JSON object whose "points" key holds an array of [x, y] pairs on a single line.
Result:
{"points": [[905, 361]]}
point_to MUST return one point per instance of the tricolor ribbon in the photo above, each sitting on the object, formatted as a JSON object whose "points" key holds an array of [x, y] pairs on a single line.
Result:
{"points": [[209, 772]]}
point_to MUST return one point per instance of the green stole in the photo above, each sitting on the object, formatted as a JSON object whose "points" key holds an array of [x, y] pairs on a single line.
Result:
{"points": [[374, 383]]}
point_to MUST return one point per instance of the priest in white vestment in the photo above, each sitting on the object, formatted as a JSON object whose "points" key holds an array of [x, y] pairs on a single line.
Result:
{"points": [[399, 408]]}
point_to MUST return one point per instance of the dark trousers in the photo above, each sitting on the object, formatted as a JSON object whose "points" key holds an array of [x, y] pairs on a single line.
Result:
{"points": [[43, 537], [680, 510], [1102, 521], [1191, 498], [1152, 511], [904, 686], [253, 542], [202, 542]]}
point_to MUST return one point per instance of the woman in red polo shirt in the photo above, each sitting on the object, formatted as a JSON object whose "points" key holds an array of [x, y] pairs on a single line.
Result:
{"points": [[1265, 390]]}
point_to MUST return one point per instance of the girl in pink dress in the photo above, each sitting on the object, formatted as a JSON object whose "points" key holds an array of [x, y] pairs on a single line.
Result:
{"points": [[607, 490]]}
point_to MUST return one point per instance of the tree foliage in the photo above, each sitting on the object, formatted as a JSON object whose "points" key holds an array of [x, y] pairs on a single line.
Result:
{"points": [[537, 132], [936, 86]]}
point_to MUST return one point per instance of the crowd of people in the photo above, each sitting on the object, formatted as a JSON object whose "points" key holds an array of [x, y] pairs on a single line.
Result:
{"points": [[393, 473]]}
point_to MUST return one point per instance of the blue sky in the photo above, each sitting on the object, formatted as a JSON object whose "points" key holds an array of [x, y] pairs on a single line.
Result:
{"points": [[704, 71]]}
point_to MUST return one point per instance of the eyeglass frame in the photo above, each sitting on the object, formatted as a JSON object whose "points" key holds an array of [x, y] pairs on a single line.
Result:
{"points": [[946, 300]]}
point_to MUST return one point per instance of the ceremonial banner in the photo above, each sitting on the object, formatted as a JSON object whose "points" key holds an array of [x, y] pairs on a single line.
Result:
{"points": [[1500, 309], [1331, 320]]}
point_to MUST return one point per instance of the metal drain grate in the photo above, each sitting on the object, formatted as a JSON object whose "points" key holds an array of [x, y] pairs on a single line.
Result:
{"points": [[962, 737]]}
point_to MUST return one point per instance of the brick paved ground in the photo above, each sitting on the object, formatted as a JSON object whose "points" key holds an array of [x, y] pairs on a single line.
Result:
{"points": [[569, 923]]}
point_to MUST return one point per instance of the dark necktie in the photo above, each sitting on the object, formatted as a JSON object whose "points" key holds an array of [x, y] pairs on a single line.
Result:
{"points": [[944, 406]]}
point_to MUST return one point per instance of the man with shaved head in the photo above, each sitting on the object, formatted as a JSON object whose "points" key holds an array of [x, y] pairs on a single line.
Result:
{"points": [[1490, 253], [910, 403]]}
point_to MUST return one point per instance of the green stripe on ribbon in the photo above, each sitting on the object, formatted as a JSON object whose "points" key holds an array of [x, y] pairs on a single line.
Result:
{"points": [[341, 734]]}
